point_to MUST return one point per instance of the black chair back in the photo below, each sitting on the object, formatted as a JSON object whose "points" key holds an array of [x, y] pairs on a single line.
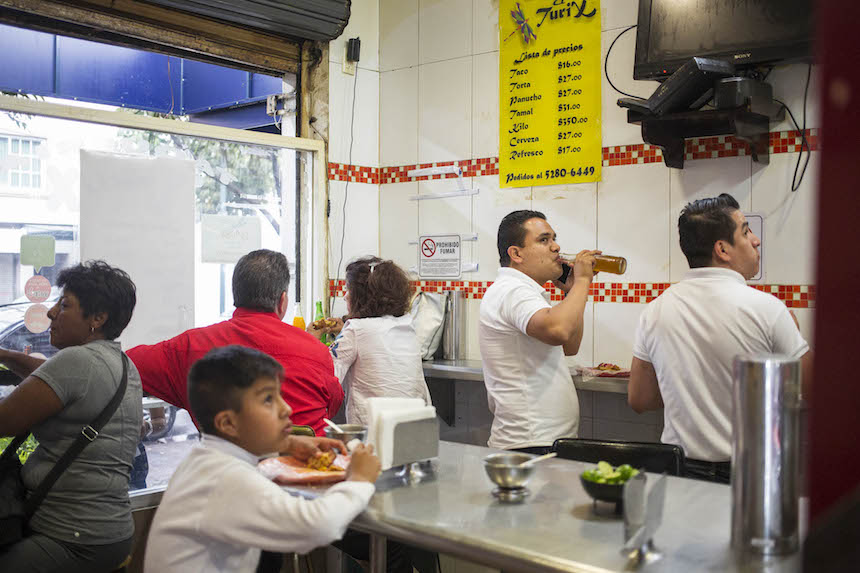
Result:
{"points": [[656, 458]]}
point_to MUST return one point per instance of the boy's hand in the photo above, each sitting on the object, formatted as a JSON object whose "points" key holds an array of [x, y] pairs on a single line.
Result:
{"points": [[364, 466], [304, 448]]}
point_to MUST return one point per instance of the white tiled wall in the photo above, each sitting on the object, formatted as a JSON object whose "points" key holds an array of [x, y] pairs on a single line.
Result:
{"points": [[585, 356], [398, 118], [427, 91], [398, 34], [485, 105], [618, 14], [362, 229], [488, 208], [633, 220], [614, 331], [571, 210], [789, 227], [700, 179], [485, 26], [788, 86], [445, 110], [363, 24], [359, 127], [354, 130], [616, 130], [444, 30], [400, 217]]}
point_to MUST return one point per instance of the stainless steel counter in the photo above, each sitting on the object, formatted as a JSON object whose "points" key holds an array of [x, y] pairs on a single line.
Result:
{"points": [[471, 371], [556, 528]]}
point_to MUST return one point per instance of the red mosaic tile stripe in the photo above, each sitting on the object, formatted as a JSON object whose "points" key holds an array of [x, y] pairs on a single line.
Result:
{"points": [[353, 173], [794, 296], [709, 148], [639, 154], [470, 168], [631, 155]]}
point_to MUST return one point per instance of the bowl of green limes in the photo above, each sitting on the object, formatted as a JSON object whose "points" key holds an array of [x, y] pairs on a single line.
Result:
{"points": [[605, 482]]}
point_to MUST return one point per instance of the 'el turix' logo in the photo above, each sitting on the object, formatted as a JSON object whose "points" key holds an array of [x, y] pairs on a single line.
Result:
{"points": [[565, 9]]}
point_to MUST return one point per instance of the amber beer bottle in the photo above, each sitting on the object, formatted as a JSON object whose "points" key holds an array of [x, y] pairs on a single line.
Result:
{"points": [[603, 263]]}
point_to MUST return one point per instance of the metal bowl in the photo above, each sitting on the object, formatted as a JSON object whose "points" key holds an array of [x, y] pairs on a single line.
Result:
{"points": [[504, 470], [350, 432]]}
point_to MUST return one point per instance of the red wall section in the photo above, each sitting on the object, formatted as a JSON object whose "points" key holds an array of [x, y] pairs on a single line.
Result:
{"points": [[835, 417]]}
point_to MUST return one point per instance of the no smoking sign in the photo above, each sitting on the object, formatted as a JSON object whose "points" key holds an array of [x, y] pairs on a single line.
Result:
{"points": [[439, 256], [428, 247]]}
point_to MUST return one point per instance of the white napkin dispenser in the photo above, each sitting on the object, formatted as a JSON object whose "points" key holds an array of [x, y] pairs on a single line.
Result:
{"points": [[402, 430]]}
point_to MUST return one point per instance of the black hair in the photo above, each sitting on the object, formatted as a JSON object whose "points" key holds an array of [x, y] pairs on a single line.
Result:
{"points": [[512, 232], [101, 288], [377, 288], [704, 222], [259, 279], [216, 381]]}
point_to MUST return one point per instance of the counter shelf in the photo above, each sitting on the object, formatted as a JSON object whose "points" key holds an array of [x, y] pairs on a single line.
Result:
{"points": [[441, 375]]}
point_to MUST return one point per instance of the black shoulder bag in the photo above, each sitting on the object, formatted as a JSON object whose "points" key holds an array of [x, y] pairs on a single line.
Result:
{"points": [[16, 507]]}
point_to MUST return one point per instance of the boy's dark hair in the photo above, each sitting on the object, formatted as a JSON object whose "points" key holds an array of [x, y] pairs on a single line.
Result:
{"points": [[513, 233], [216, 381], [377, 288], [704, 222], [101, 288], [259, 279]]}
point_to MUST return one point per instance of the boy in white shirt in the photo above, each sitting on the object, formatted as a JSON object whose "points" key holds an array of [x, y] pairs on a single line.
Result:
{"points": [[218, 511]]}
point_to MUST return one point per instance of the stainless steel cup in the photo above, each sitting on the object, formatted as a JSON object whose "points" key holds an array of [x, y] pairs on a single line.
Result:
{"points": [[765, 454], [505, 470]]}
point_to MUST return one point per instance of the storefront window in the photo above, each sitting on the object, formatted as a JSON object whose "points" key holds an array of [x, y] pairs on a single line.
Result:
{"points": [[264, 186]]}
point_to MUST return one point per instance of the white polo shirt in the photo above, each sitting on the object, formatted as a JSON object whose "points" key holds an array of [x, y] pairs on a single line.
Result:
{"points": [[529, 388], [692, 334]]}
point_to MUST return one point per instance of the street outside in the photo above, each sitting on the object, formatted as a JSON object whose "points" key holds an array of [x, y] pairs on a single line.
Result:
{"points": [[165, 454]]}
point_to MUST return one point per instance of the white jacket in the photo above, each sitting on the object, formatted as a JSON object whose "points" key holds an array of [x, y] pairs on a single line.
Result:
{"points": [[378, 357]]}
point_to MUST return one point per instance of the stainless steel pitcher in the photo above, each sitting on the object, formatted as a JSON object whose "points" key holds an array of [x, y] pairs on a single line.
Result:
{"points": [[454, 329], [766, 397]]}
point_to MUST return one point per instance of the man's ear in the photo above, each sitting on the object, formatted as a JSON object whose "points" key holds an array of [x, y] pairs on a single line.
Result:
{"points": [[281, 307], [514, 254], [226, 423], [721, 253]]}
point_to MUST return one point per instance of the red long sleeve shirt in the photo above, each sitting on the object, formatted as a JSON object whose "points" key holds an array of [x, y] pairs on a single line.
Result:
{"points": [[309, 386]]}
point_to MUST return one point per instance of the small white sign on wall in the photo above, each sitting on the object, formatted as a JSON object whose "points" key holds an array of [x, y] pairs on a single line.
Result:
{"points": [[439, 256], [756, 222], [226, 239]]}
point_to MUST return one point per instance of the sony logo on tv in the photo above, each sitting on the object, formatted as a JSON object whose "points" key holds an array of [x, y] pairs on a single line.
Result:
{"points": [[742, 56]]}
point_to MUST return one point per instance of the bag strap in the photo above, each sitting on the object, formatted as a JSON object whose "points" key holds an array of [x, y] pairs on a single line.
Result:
{"points": [[88, 433], [13, 446]]}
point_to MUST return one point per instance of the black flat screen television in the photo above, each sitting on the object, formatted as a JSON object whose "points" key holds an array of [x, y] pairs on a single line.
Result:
{"points": [[747, 33]]}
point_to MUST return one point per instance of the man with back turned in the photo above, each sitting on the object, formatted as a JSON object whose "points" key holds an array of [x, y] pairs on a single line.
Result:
{"points": [[689, 336]]}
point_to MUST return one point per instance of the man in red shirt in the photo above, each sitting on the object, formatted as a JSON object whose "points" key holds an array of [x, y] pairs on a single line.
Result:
{"points": [[260, 282]]}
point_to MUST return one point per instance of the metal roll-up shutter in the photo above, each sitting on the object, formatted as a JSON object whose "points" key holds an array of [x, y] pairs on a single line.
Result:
{"points": [[302, 19], [257, 35]]}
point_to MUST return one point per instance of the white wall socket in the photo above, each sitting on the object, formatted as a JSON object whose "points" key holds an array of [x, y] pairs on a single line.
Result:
{"points": [[348, 67]]}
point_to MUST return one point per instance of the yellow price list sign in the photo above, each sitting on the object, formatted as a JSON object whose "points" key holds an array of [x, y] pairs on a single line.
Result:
{"points": [[549, 92]]}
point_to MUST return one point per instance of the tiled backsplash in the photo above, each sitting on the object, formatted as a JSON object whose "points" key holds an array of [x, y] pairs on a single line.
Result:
{"points": [[794, 296]]}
